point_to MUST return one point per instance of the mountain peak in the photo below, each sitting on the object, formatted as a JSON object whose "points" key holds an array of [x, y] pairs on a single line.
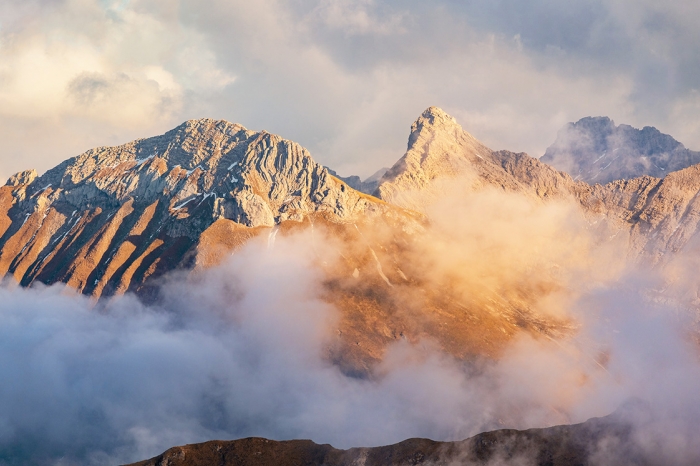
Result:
{"points": [[431, 120], [157, 196], [596, 150], [436, 116], [438, 147]]}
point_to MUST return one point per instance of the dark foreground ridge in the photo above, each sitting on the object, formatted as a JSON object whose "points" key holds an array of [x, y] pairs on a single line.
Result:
{"points": [[610, 439]]}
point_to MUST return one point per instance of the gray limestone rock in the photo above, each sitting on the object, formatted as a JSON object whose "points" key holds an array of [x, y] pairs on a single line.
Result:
{"points": [[107, 220], [259, 173], [22, 178]]}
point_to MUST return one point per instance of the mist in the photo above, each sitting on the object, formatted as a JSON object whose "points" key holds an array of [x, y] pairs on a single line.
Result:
{"points": [[242, 349]]}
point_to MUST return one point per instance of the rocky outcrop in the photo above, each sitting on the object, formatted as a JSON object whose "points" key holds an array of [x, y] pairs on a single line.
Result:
{"points": [[595, 150], [109, 219], [438, 148]]}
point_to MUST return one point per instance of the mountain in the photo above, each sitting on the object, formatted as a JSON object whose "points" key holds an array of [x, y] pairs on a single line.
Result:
{"points": [[110, 219], [118, 219], [655, 216], [595, 150], [608, 440]]}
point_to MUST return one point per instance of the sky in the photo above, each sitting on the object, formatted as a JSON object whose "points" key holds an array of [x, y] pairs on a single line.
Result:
{"points": [[344, 78]]}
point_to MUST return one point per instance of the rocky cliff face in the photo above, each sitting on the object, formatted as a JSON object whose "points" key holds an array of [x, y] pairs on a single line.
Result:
{"points": [[438, 148], [595, 150], [113, 217]]}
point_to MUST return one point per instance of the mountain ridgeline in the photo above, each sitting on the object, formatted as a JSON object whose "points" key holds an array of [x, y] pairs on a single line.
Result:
{"points": [[113, 217], [118, 219]]}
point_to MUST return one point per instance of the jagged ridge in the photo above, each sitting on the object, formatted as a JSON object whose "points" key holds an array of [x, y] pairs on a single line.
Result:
{"points": [[107, 220], [115, 219], [657, 216]]}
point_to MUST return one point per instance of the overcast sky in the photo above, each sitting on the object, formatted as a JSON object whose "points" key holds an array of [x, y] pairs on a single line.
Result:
{"points": [[345, 78]]}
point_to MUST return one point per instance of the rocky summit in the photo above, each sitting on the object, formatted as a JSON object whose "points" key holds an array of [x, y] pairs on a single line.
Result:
{"points": [[110, 219], [655, 215], [596, 150]]}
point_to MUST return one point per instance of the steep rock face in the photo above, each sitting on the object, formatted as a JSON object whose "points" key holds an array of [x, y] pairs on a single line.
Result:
{"points": [[595, 150], [438, 147], [107, 220]]}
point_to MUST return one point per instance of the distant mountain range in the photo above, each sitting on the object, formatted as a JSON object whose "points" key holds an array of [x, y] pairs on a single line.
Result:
{"points": [[595, 150], [368, 185]]}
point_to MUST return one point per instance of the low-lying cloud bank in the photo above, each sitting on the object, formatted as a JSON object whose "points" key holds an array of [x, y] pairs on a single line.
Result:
{"points": [[241, 350]]}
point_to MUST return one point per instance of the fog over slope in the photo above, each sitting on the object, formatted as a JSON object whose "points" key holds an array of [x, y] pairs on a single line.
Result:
{"points": [[240, 350], [250, 347]]}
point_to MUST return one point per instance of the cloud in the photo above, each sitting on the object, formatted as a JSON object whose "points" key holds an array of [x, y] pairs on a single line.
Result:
{"points": [[354, 17], [242, 350], [345, 79], [77, 74]]}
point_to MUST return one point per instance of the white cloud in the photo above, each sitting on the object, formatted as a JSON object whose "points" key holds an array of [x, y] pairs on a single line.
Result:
{"points": [[345, 78], [83, 74], [356, 17], [239, 351]]}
